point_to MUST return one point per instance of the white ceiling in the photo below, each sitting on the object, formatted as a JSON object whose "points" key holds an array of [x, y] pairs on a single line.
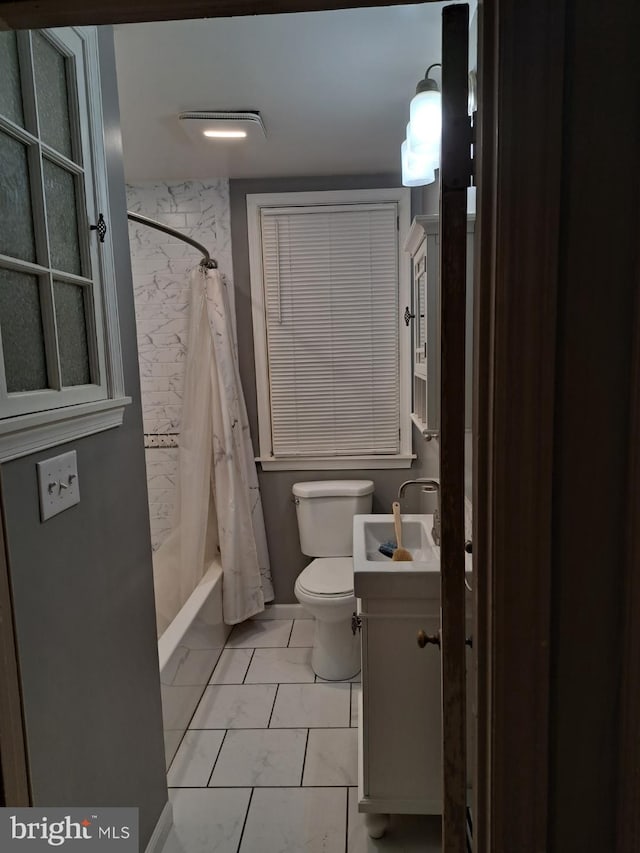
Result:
{"points": [[333, 89]]}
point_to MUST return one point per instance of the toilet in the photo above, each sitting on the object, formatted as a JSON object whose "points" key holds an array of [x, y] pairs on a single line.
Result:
{"points": [[325, 511]]}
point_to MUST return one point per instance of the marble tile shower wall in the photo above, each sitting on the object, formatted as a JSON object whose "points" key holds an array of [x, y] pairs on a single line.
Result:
{"points": [[161, 266]]}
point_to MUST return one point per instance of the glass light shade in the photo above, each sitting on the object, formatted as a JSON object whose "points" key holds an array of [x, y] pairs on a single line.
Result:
{"points": [[416, 170], [426, 151], [425, 117]]}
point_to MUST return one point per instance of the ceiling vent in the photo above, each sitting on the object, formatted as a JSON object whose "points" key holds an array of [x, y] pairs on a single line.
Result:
{"points": [[223, 124]]}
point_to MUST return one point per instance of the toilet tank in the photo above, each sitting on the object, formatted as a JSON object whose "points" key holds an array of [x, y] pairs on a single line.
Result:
{"points": [[325, 511]]}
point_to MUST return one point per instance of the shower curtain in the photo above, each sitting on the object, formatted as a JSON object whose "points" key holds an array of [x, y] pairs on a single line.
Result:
{"points": [[218, 508]]}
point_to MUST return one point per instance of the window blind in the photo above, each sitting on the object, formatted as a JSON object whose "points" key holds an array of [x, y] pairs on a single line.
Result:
{"points": [[331, 301]]}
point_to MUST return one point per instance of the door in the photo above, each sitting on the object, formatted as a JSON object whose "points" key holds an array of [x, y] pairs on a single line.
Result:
{"points": [[455, 173]]}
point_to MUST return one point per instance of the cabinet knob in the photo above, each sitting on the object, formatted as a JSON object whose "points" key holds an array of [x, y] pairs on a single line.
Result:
{"points": [[408, 316], [424, 639]]}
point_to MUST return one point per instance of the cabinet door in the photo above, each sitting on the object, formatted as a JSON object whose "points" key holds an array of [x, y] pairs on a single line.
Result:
{"points": [[432, 326], [51, 325], [60, 345], [402, 711], [427, 321], [420, 311]]}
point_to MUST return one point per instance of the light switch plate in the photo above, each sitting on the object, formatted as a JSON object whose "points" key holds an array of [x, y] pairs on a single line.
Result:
{"points": [[58, 484]]}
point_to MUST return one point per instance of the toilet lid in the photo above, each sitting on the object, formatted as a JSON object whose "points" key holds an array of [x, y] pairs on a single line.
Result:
{"points": [[328, 576]]}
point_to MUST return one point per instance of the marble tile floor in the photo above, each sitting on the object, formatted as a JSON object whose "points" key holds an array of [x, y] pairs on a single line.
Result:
{"points": [[269, 762]]}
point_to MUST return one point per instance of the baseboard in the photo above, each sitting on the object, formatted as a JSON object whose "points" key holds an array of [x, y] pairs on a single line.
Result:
{"points": [[162, 830], [284, 611]]}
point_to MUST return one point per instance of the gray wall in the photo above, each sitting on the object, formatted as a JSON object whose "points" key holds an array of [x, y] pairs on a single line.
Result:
{"points": [[287, 561], [83, 593]]}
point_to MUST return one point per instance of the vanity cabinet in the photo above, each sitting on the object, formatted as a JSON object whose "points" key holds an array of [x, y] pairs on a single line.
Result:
{"points": [[400, 720], [400, 714], [423, 245]]}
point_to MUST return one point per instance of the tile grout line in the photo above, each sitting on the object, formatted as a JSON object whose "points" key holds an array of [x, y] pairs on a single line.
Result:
{"points": [[346, 829], [260, 683], [341, 786], [304, 760], [175, 754], [293, 622], [226, 644], [217, 663], [350, 705], [195, 710], [275, 698], [244, 679], [237, 648], [246, 817], [300, 728], [224, 737]]}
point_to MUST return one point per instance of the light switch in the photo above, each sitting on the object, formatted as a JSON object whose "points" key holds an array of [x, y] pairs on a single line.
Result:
{"points": [[58, 484]]}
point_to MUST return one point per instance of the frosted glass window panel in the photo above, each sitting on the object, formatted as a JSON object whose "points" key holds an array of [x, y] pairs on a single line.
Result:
{"points": [[72, 333], [52, 93], [62, 218], [10, 94], [16, 220], [25, 363]]}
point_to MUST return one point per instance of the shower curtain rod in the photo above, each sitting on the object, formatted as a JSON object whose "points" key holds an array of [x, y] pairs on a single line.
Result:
{"points": [[207, 261]]}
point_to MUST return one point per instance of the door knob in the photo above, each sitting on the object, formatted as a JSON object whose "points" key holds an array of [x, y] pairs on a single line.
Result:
{"points": [[423, 639]]}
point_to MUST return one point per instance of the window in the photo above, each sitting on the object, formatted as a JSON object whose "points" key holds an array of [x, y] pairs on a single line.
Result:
{"points": [[59, 340], [332, 361]]}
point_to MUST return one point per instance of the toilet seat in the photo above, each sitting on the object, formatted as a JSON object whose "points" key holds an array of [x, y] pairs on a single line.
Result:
{"points": [[327, 577]]}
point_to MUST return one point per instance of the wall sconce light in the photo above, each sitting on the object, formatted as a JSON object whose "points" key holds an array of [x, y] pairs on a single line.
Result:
{"points": [[415, 171], [421, 149]]}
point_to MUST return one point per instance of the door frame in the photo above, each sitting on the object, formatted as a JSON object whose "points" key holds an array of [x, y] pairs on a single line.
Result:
{"points": [[14, 777], [455, 166], [628, 813], [521, 65], [516, 281]]}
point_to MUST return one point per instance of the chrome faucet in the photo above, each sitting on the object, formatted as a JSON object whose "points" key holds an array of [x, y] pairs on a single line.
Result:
{"points": [[427, 485]]}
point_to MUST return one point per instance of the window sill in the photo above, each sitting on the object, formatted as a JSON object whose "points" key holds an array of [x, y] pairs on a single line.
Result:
{"points": [[27, 434], [338, 463]]}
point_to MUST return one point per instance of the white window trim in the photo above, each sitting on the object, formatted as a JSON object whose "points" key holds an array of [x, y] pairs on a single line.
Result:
{"points": [[25, 434], [255, 203]]}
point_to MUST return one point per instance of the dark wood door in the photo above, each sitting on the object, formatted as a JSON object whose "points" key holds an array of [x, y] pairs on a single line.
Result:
{"points": [[455, 168]]}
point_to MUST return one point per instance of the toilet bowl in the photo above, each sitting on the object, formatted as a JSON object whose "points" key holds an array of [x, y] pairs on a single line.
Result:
{"points": [[336, 649], [325, 513]]}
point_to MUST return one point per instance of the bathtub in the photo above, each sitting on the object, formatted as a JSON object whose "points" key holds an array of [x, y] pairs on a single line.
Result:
{"points": [[188, 651]]}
